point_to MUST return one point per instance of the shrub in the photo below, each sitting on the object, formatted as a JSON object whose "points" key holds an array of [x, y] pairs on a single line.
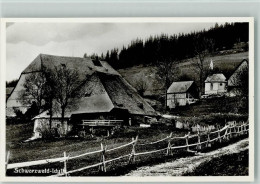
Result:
{"points": [[47, 134]]}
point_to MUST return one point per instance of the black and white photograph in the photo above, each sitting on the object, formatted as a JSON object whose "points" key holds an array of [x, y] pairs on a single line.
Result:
{"points": [[128, 98]]}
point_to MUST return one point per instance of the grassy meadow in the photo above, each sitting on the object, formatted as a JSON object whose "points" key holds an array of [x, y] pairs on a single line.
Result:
{"points": [[224, 63], [210, 110]]}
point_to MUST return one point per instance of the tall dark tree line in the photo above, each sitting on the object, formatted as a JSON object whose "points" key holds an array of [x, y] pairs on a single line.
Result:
{"points": [[179, 47]]}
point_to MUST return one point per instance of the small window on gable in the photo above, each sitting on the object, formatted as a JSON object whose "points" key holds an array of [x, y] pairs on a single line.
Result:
{"points": [[88, 94], [141, 105], [96, 62], [119, 104]]}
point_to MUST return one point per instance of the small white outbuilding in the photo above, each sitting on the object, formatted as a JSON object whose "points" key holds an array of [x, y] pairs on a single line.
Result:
{"points": [[216, 84]]}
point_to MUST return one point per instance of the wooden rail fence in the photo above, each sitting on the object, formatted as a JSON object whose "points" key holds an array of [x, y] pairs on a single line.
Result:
{"points": [[229, 132]]}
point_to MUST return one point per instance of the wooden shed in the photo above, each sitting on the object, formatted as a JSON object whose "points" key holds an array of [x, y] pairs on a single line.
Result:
{"points": [[182, 93]]}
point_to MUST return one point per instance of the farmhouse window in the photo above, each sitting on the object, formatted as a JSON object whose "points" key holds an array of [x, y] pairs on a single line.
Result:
{"points": [[88, 94], [220, 84], [96, 62], [211, 86]]}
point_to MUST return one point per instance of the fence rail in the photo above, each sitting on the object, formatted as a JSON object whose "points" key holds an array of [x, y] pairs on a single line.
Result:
{"points": [[229, 131], [101, 122], [35, 163]]}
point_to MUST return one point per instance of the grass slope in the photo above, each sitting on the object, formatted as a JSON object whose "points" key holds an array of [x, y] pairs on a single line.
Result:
{"points": [[235, 164], [40, 149], [37, 150], [211, 106], [225, 64]]}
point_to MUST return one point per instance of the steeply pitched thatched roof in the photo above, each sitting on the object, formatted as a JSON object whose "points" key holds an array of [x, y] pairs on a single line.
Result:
{"points": [[218, 77], [104, 87], [235, 79], [124, 96], [180, 87], [104, 92], [14, 99], [85, 66]]}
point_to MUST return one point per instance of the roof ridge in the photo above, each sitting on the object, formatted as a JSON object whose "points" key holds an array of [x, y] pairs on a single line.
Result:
{"points": [[183, 81], [51, 55]]}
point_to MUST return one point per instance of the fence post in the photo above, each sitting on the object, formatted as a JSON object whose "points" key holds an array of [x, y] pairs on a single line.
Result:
{"points": [[219, 137], [238, 130], [132, 155], [7, 160], [187, 141], [103, 166], [208, 139], [228, 132], [168, 153], [241, 128], [247, 129], [225, 134], [234, 129], [244, 128], [199, 145], [231, 132], [65, 164]]}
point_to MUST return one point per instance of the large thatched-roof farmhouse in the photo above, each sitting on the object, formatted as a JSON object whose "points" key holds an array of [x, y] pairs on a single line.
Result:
{"points": [[108, 98]]}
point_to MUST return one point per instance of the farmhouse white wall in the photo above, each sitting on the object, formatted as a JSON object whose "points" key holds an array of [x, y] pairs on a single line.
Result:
{"points": [[215, 88], [41, 125], [176, 99]]}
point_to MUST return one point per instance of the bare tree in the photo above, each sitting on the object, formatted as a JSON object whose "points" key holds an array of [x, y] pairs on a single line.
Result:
{"points": [[67, 88], [34, 90], [50, 92], [202, 47], [165, 73], [141, 85], [49, 87], [39, 91]]}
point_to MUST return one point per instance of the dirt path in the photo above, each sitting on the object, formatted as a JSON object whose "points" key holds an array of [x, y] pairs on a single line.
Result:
{"points": [[184, 165]]}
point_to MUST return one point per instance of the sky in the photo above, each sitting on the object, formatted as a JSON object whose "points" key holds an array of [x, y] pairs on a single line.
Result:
{"points": [[24, 41]]}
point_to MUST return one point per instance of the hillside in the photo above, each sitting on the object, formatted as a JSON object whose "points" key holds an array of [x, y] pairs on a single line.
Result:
{"points": [[220, 38], [183, 69]]}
